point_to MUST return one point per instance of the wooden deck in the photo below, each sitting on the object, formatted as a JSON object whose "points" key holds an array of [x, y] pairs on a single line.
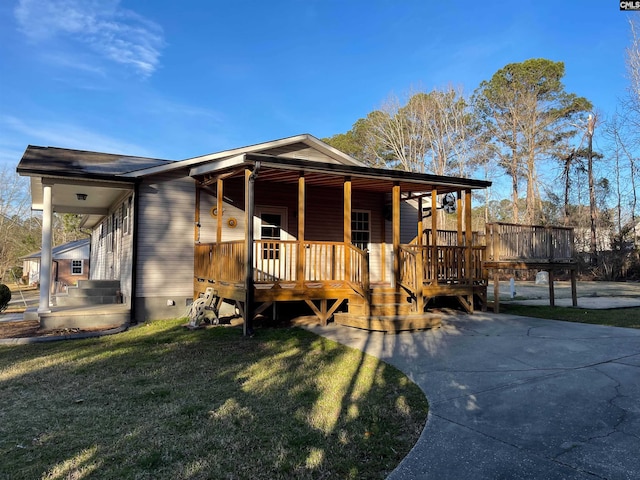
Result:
{"points": [[329, 276], [333, 277], [530, 247]]}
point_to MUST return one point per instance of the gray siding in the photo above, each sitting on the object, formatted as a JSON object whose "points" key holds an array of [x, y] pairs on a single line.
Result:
{"points": [[112, 247], [165, 237]]}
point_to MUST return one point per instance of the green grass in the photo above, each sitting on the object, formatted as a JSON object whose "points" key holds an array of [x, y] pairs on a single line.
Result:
{"points": [[622, 317], [160, 402]]}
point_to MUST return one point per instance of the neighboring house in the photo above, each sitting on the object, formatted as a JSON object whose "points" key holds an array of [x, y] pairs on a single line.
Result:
{"points": [[70, 264], [287, 220]]}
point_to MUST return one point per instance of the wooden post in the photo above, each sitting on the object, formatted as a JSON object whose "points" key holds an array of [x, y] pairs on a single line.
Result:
{"points": [[434, 236], [347, 228], [468, 235], [552, 296], [420, 262], [496, 291], [383, 245], [469, 245], [196, 220], [219, 209], [574, 288], [249, 210], [301, 249], [396, 233]]}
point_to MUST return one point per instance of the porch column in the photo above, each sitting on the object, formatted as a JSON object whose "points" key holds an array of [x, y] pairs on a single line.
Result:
{"points": [[45, 256], [300, 268], [395, 203], [249, 210], [469, 234], [462, 242], [470, 270], [219, 211], [196, 219], [347, 228], [420, 261], [434, 236]]}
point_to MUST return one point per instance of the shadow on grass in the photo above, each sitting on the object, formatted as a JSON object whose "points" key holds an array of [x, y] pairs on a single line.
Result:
{"points": [[160, 401]]}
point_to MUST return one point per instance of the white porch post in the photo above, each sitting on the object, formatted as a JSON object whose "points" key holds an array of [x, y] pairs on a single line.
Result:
{"points": [[45, 256]]}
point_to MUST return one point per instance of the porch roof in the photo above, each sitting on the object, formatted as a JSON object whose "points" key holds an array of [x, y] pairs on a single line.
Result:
{"points": [[288, 170]]}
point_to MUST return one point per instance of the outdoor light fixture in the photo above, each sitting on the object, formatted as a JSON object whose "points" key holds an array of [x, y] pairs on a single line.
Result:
{"points": [[81, 196]]}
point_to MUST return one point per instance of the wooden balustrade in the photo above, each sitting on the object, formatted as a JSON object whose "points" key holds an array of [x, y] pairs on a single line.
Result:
{"points": [[440, 264], [276, 262], [508, 242]]}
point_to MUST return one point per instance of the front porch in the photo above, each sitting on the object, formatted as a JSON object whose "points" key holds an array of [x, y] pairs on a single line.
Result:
{"points": [[340, 238], [334, 278]]}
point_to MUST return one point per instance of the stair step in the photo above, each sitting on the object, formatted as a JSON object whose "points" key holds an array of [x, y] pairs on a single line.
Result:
{"points": [[99, 284], [63, 300], [87, 317], [381, 309]]}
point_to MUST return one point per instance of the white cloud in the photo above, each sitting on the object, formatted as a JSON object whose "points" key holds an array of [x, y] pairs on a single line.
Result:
{"points": [[103, 26], [67, 135]]}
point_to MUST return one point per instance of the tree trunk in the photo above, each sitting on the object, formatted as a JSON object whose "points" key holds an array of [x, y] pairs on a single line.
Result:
{"points": [[592, 195]]}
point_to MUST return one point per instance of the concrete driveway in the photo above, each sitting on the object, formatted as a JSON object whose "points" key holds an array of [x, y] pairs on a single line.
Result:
{"points": [[517, 398]]}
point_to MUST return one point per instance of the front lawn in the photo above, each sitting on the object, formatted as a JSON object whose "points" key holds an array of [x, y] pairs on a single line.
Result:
{"points": [[621, 317], [162, 402]]}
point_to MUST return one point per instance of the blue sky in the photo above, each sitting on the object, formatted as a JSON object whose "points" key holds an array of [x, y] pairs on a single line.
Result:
{"points": [[173, 80]]}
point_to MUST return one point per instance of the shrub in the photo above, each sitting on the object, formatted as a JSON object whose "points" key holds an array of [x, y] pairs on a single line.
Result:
{"points": [[5, 297]]}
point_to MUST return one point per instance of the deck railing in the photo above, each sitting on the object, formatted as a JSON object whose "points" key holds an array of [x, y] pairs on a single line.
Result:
{"points": [[508, 242], [449, 238], [277, 262], [440, 264]]}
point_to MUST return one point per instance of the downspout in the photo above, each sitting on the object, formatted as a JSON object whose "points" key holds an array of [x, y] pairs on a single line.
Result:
{"points": [[248, 281], [134, 253]]}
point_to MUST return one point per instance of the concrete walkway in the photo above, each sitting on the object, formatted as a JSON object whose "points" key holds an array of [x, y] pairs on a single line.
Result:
{"points": [[517, 398]]}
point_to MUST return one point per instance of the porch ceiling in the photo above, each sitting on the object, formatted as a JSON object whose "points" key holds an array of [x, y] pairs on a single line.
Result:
{"points": [[285, 170]]}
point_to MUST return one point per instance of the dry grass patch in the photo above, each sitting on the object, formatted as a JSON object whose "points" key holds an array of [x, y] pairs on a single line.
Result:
{"points": [[162, 402]]}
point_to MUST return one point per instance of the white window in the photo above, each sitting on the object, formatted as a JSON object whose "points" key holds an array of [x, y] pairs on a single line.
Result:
{"points": [[360, 229], [76, 267], [125, 216]]}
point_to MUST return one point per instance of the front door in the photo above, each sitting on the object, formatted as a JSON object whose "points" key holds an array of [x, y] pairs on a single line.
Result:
{"points": [[271, 256]]}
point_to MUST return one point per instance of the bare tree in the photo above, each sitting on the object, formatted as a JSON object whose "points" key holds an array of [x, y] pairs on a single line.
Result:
{"points": [[14, 207], [432, 132]]}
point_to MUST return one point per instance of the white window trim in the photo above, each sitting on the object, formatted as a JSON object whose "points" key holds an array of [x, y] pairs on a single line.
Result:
{"points": [[81, 267], [368, 212]]}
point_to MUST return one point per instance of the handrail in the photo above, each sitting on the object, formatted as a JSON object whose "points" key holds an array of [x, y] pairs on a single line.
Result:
{"points": [[359, 271]]}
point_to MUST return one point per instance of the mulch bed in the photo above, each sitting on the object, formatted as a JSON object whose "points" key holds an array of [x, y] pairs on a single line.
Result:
{"points": [[31, 328], [19, 329]]}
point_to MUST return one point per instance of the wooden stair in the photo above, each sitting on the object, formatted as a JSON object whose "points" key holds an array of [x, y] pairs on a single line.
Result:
{"points": [[388, 310]]}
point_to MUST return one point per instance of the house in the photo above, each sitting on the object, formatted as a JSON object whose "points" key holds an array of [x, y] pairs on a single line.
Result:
{"points": [[290, 220], [70, 263]]}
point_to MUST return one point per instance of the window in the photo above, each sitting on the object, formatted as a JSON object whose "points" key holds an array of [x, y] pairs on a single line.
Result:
{"points": [[270, 229], [126, 206], [76, 267], [360, 229]]}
